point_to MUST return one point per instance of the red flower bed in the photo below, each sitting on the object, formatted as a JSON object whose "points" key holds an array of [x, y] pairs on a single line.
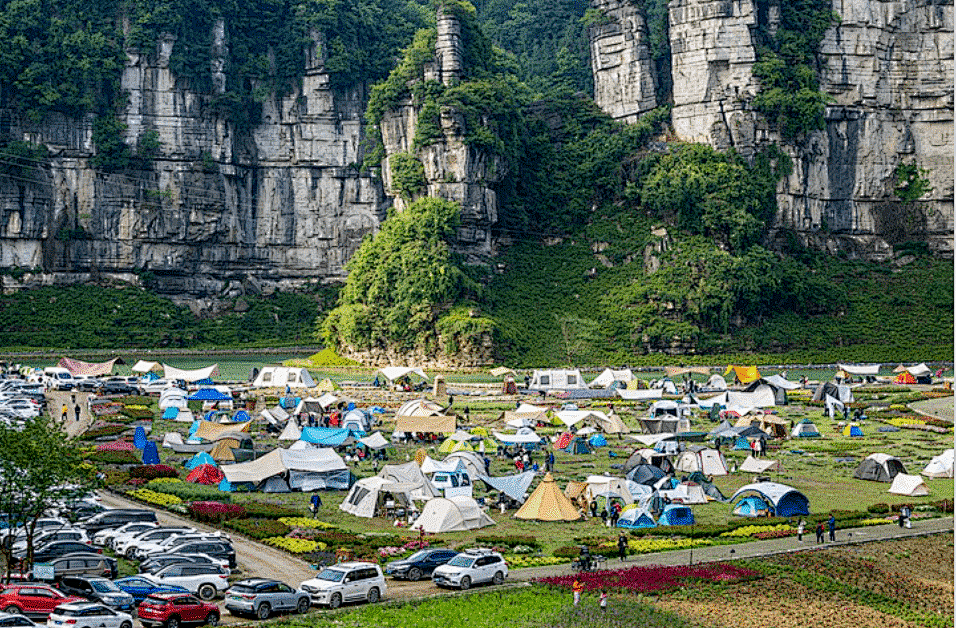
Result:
{"points": [[775, 534], [215, 512], [153, 471], [654, 579]]}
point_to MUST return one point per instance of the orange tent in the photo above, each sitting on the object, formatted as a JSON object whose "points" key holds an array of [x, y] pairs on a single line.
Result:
{"points": [[745, 374], [905, 378]]}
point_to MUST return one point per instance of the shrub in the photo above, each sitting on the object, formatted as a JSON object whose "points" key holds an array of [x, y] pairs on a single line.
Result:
{"points": [[305, 522], [294, 546], [944, 506], [654, 578], [508, 541], [113, 457], [136, 400], [153, 471], [152, 497], [567, 551], [138, 412], [106, 430], [264, 510], [258, 528], [158, 483], [115, 477], [878, 509], [215, 512], [189, 492]]}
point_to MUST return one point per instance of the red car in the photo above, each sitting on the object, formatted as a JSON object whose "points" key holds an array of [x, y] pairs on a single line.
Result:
{"points": [[173, 609], [33, 599]]}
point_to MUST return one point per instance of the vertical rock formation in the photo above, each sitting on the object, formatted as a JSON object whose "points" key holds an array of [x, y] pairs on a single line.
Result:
{"points": [[454, 170], [281, 203], [624, 76]]}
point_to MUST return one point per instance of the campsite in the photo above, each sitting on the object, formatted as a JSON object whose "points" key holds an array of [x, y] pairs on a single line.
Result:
{"points": [[420, 457]]}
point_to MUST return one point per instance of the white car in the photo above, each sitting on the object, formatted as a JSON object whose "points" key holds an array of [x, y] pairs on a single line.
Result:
{"points": [[156, 386], [204, 580], [22, 408], [108, 536], [44, 524], [88, 615], [346, 582], [126, 547], [471, 567], [65, 534], [145, 549]]}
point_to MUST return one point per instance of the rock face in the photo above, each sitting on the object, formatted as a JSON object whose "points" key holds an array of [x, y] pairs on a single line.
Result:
{"points": [[454, 170], [281, 203], [888, 66], [624, 77]]}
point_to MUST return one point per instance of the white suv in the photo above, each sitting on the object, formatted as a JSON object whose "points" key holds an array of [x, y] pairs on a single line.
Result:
{"points": [[346, 582], [471, 567]]}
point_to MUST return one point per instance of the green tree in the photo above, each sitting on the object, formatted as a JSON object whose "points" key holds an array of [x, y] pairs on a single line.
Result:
{"points": [[39, 469]]}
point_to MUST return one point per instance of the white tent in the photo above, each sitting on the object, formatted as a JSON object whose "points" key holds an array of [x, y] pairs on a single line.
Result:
{"points": [[430, 465], [374, 441], [275, 415], [172, 438], [143, 366], [609, 376], [940, 466], [833, 405], [861, 369], [781, 382], [296, 461], [557, 379], [368, 495], [686, 493], [409, 474], [392, 373], [420, 407], [762, 397], [605, 486], [315, 404], [909, 485], [473, 462], [707, 461], [173, 373], [640, 394], [173, 401], [282, 376], [291, 431], [755, 465], [607, 424], [451, 514], [716, 382], [517, 438], [919, 370]]}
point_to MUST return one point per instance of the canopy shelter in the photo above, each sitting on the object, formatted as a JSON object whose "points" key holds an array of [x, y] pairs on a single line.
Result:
{"points": [[327, 436], [879, 468], [743, 374], [374, 441], [473, 462], [909, 485], [283, 376], [426, 424], [863, 370], [920, 370], [548, 503], [608, 487], [634, 517], [420, 407], [208, 430], [500, 371], [307, 469], [608, 424], [88, 369], [394, 373], [609, 376], [514, 486], [451, 514], [525, 415], [940, 466], [782, 500], [640, 394], [518, 439], [195, 375], [805, 429], [410, 474], [143, 366], [678, 371], [429, 465], [209, 394], [707, 461], [759, 465]]}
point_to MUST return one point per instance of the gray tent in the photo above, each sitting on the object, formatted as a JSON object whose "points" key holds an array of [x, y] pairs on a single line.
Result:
{"points": [[275, 484], [879, 468], [840, 393]]}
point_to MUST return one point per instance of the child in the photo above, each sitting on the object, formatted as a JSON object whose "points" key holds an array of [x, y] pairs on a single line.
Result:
{"points": [[603, 601], [577, 588]]}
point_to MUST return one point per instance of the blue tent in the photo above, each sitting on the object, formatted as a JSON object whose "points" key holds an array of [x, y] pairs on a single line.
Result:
{"points": [[326, 436], [193, 428], [752, 506], [139, 437], [170, 414], [151, 376], [150, 453], [225, 486], [241, 416], [854, 430], [636, 518], [514, 486], [742, 444], [578, 446], [778, 500], [598, 440], [675, 515], [208, 394], [200, 458], [204, 382]]}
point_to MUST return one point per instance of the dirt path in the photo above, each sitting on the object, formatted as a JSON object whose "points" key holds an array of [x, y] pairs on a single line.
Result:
{"points": [[56, 399]]}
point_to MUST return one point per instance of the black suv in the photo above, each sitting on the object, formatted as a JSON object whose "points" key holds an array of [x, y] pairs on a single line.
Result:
{"points": [[116, 518], [420, 564], [215, 549], [98, 590], [56, 549], [117, 388]]}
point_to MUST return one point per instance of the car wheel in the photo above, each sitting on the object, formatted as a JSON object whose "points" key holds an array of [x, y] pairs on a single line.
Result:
{"points": [[206, 592], [263, 611], [335, 601], [126, 624], [303, 606], [212, 619], [499, 578], [172, 622], [465, 583], [414, 574], [373, 595], [13, 610]]}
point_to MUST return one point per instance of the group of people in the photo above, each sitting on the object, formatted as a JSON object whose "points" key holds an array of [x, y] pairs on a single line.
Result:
{"points": [[830, 529], [758, 447]]}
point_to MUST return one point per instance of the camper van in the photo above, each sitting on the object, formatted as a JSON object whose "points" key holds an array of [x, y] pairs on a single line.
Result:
{"points": [[58, 378], [559, 379]]}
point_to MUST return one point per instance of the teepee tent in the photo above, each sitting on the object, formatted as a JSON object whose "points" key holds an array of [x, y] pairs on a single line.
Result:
{"points": [[909, 485], [548, 503]]}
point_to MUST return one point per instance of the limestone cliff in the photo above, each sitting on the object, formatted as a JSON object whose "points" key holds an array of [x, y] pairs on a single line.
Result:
{"points": [[221, 209], [888, 66]]}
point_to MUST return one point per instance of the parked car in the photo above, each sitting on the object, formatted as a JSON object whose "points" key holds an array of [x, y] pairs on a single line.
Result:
{"points": [[262, 597], [33, 599], [173, 609], [14, 620], [116, 518], [44, 524], [39, 540], [88, 615], [97, 589], [87, 385], [84, 564], [140, 588], [154, 563], [147, 539], [420, 564], [203, 580], [107, 535], [220, 549], [472, 567], [117, 388], [56, 549], [346, 582], [217, 542]]}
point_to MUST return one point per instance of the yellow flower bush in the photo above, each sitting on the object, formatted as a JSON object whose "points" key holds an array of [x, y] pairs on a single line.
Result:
{"points": [[295, 546], [305, 522], [751, 530], [136, 407], [652, 545], [153, 497], [901, 421], [158, 481], [517, 561], [872, 522]]}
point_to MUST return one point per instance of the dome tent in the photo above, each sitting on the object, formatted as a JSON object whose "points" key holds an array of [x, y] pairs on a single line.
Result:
{"points": [[781, 500], [940, 466], [879, 468], [452, 514], [634, 517], [752, 506], [805, 429], [909, 485], [675, 515]]}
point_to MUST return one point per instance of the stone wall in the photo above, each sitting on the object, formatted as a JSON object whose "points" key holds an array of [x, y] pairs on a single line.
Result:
{"points": [[280, 204]]}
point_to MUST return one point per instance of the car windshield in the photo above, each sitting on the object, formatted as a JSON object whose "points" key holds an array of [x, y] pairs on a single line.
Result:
{"points": [[332, 575], [461, 561], [419, 555], [105, 586]]}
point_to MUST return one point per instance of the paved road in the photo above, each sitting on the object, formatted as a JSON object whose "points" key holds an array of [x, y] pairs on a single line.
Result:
{"points": [[941, 408], [55, 401]]}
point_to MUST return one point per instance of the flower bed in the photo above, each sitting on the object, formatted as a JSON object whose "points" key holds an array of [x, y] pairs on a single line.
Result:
{"points": [[117, 445], [153, 497], [106, 430], [215, 512], [258, 528], [305, 522], [189, 492], [655, 579], [113, 457], [516, 561], [294, 546], [753, 530], [263, 510], [153, 471], [508, 541]]}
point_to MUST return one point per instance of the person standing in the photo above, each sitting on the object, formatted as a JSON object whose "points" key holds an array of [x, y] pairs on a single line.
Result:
{"points": [[314, 504], [800, 528], [902, 518], [819, 533], [603, 600], [64, 411], [907, 513], [593, 507], [622, 547], [76, 412], [577, 588], [831, 526]]}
